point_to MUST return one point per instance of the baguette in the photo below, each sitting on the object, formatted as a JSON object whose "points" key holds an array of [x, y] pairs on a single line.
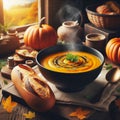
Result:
{"points": [[35, 91]]}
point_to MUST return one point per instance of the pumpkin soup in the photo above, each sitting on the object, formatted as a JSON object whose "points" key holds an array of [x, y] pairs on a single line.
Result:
{"points": [[71, 62]]}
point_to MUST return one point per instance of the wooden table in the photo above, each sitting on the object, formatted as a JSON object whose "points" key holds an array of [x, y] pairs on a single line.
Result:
{"points": [[58, 112]]}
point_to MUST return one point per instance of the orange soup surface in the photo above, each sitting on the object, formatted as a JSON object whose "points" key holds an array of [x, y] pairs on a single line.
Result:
{"points": [[58, 62]]}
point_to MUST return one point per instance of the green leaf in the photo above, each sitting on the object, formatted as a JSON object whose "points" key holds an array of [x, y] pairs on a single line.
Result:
{"points": [[5, 82], [2, 63], [71, 57], [3, 29], [108, 66]]}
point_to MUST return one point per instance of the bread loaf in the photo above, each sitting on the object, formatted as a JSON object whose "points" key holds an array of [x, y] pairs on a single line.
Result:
{"points": [[114, 6], [35, 91], [109, 8], [103, 9]]}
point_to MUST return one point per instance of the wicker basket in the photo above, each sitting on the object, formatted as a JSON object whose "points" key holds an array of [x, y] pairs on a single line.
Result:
{"points": [[110, 22]]}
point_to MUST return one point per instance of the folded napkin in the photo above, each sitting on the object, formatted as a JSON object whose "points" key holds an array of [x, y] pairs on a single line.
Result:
{"points": [[82, 97]]}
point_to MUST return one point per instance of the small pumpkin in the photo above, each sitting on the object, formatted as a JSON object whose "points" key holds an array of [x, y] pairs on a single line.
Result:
{"points": [[113, 50], [40, 36]]}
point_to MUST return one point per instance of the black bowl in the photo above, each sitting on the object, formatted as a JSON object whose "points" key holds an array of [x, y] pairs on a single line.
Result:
{"points": [[69, 82]]}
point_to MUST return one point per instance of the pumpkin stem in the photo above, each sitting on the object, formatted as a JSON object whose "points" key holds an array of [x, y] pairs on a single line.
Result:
{"points": [[41, 20]]}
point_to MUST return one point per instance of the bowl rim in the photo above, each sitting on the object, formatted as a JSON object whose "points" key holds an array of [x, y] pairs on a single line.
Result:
{"points": [[88, 10], [102, 61]]}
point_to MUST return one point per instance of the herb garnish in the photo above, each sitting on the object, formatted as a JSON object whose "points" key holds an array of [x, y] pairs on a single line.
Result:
{"points": [[108, 66], [71, 57]]}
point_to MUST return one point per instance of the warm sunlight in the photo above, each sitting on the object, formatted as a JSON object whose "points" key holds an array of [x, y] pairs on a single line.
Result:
{"points": [[20, 12], [9, 3]]}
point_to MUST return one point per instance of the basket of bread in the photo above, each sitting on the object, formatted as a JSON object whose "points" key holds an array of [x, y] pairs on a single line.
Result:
{"points": [[106, 15]]}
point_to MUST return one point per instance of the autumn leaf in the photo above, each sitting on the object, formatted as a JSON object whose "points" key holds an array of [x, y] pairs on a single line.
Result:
{"points": [[8, 104], [29, 115], [80, 113]]}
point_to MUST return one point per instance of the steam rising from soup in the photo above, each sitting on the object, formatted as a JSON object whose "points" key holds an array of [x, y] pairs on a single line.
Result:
{"points": [[58, 62]]}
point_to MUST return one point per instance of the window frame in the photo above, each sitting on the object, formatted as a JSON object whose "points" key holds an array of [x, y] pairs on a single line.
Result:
{"points": [[1, 12]]}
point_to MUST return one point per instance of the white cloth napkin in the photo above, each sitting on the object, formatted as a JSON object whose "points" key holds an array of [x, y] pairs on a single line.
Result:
{"points": [[81, 98]]}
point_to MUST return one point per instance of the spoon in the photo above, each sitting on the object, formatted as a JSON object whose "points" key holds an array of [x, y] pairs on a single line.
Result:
{"points": [[112, 77]]}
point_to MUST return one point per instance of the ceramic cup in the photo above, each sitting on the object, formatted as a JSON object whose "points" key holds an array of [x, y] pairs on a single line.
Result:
{"points": [[97, 41]]}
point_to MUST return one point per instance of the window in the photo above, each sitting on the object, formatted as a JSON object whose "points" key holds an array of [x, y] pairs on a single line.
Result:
{"points": [[19, 12], [46, 8]]}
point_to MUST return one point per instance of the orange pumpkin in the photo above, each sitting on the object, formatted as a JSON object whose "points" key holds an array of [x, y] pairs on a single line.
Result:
{"points": [[113, 50], [40, 36]]}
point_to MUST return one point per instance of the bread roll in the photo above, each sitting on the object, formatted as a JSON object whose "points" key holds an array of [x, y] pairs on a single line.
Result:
{"points": [[103, 9], [114, 6], [35, 92]]}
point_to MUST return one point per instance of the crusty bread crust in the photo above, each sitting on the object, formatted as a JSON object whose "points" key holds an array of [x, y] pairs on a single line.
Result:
{"points": [[36, 92]]}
